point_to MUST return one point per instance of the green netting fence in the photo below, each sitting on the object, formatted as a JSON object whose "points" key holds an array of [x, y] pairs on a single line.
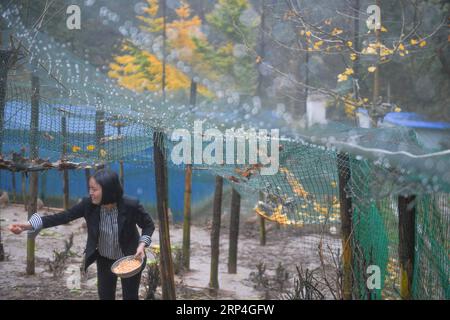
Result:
{"points": [[103, 123]]}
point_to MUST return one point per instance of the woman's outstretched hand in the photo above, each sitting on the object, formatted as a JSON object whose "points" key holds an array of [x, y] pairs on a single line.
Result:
{"points": [[140, 251], [18, 228]]}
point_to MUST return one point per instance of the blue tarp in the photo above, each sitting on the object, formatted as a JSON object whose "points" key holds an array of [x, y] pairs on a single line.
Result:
{"points": [[414, 120]]}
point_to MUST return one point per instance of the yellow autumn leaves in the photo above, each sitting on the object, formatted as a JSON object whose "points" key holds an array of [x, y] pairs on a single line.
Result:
{"points": [[344, 76], [102, 152], [312, 211], [422, 43], [380, 49], [140, 70]]}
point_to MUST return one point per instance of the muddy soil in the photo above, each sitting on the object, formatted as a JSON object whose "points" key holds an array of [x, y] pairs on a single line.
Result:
{"points": [[285, 246]]}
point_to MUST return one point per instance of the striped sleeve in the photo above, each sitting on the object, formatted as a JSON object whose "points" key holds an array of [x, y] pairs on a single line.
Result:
{"points": [[36, 223], [146, 239]]}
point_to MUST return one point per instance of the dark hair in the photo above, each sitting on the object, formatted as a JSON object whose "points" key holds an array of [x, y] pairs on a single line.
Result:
{"points": [[112, 190]]}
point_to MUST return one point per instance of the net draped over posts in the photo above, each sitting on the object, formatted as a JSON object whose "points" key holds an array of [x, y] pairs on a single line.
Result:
{"points": [[383, 164]]}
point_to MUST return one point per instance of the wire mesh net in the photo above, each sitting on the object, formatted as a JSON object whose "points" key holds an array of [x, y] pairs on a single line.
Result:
{"points": [[84, 117]]}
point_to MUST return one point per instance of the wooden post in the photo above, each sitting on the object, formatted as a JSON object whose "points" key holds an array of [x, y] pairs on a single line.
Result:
{"points": [[5, 55], [2, 249], [63, 157], [121, 172], [13, 176], [166, 264], [23, 183], [188, 194], [99, 129], [87, 174], [4, 59], [32, 207], [43, 184], [193, 95], [346, 224], [262, 225], [406, 243], [262, 231], [187, 216], [215, 234], [24, 191], [234, 231]]}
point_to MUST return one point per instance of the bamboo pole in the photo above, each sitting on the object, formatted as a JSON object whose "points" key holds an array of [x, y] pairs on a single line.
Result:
{"points": [[187, 216], [215, 234], [406, 243], [234, 231], [346, 224], [63, 156], [32, 207], [166, 264]]}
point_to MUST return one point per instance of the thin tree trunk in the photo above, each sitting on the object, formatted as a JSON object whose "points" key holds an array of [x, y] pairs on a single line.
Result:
{"points": [[262, 225], [376, 76], [406, 243], [234, 231], [215, 234], [262, 48], [99, 129], [65, 172], [346, 224], [13, 182], [163, 84], [187, 217], [4, 59], [188, 193], [121, 171], [262, 231], [34, 130], [24, 192], [166, 264], [356, 44], [87, 174], [32, 208]]}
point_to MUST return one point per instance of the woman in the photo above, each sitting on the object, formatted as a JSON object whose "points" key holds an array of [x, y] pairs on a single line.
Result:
{"points": [[111, 220]]}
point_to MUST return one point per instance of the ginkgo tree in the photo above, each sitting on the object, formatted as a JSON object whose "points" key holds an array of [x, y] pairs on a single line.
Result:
{"points": [[140, 70], [343, 40]]}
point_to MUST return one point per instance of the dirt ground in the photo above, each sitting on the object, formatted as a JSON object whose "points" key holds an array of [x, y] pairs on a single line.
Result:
{"points": [[286, 246]]}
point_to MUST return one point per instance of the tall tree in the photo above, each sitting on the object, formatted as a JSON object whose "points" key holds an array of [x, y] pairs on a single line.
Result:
{"points": [[140, 70]]}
